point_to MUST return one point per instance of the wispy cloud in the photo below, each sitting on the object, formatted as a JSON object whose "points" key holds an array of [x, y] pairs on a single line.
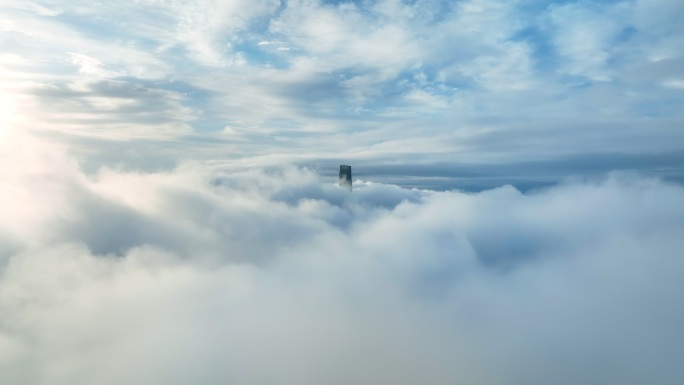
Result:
{"points": [[383, 75], [305, 73]]}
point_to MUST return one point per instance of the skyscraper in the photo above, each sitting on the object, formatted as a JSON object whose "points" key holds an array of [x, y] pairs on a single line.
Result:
{"points": [[345, 177]]}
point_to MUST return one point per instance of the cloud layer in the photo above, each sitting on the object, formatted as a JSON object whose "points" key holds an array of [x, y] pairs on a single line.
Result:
{"points": [[214, 275]]}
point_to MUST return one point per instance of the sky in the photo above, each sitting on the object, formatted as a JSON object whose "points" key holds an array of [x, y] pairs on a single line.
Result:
{"points": [[424, 93], [169, 211]]}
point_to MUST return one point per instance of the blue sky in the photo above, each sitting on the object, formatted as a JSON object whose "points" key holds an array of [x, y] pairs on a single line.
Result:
{"points": [[436, 83]]}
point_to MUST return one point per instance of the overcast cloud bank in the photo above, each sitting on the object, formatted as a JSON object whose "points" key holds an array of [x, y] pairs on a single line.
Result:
{"points": [[211, 276]]}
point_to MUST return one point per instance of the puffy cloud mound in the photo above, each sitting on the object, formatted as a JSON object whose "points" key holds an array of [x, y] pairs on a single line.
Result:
{"points": [[213, 275]]}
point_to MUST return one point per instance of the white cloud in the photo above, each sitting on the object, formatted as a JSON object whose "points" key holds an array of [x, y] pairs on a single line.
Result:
{"points": [[658, 22], [213, 275], [110, 109], [586, 36], [89, 65], [208, 27], [509, 70], [346, 37]]}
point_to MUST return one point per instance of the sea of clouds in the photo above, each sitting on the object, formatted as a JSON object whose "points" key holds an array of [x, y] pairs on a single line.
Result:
{"points": [[212, 275]]}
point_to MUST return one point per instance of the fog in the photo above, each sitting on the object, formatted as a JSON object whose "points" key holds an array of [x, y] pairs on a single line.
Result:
{"points": [[218, 275]]}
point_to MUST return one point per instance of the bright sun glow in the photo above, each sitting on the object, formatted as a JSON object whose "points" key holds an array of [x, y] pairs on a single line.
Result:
{"points": [[7, 113]]}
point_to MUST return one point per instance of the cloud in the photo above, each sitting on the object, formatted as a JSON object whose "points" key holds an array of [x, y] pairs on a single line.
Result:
{"points": [[169, 213], [106, 108], [586, 36], [432, 82], [216, 274]]}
